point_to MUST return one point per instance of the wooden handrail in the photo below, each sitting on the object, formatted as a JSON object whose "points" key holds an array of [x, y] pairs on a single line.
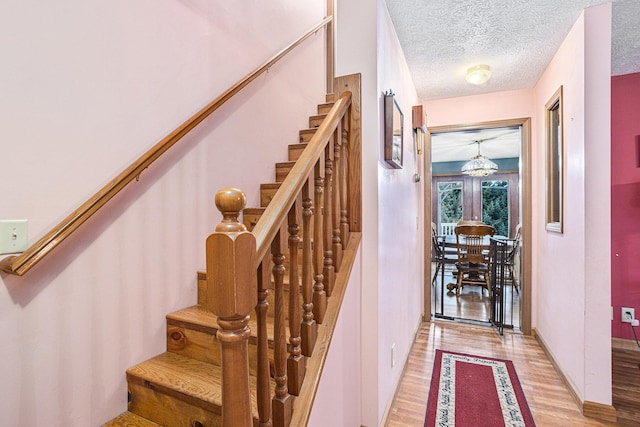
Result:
{"points": [[20, 264], [277, 210]]}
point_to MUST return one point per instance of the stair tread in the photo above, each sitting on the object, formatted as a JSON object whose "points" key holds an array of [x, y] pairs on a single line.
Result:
{"points": [[197, 315], [181, 377], [129, 419], [198, 383], [285, 164], [270, 185], [205, 320]]}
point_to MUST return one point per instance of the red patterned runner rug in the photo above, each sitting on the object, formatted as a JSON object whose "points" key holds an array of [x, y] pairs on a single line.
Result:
{"points": [[472, 391]]}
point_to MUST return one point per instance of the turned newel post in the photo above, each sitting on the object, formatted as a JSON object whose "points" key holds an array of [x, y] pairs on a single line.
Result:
{"points": [[231, 295]]}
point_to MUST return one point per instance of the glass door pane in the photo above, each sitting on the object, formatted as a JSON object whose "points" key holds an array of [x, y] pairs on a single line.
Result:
{"points": [[449, 206], [495, 205]]}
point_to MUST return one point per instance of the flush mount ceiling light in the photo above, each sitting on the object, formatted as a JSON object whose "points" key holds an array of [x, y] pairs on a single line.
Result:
{"points": [[479, 165], [479, 74]]}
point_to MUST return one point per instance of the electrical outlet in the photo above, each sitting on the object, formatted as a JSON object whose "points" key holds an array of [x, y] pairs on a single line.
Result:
{"points": [[628, 314]]}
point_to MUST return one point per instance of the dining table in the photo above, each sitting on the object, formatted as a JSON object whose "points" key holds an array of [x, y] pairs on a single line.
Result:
{"points": [[449, 242]]}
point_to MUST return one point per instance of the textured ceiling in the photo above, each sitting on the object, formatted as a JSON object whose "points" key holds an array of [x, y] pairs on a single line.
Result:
{"points": [[516, 38], [496, 143]]}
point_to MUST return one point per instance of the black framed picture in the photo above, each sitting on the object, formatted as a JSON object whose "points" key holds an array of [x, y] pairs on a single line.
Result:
{"points": [[393, 131]]}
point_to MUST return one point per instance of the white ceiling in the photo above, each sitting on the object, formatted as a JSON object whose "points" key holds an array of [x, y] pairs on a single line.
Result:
{"points": [[516, 38], [495, 143]]}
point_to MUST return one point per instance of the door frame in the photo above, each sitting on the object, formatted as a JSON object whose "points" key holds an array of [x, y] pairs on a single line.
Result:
{"points": [[525, 209]]}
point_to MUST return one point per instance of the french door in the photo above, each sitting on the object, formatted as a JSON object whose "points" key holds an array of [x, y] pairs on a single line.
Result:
{"points": [[492, 199]]}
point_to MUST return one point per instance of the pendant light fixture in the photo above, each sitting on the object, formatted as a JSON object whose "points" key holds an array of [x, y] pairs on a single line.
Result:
{"points": [[479, 165]]}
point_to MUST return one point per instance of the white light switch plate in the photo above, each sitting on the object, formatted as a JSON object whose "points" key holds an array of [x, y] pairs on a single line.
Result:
{"points": [[13, 236]]}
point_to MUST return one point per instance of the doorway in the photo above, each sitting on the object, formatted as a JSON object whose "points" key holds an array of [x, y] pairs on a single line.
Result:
{"points": [[501, 199]]}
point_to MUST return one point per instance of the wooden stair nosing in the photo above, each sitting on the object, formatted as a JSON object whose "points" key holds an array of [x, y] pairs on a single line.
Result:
{"points": [[129, 419]]}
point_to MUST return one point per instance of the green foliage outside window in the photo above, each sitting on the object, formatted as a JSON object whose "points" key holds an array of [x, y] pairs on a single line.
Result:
{"points": [[450, 201], [495, 205]]}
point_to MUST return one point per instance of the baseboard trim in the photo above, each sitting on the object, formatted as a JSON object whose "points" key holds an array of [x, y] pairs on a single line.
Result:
{"points": [[599, 411], [404, 371], [565, 380], [594, 410], [623, 344]]}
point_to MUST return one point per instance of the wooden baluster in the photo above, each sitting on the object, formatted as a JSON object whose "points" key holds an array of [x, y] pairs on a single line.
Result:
{"points": [[344, 190], [282, 400], [335, 211], [319, 295], [231, 295], [264, 374], [296, 363], [328, 271], [309, 331]]}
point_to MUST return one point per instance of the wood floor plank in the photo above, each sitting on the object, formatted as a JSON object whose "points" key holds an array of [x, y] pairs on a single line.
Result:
{"points": [[626, 384], [547, 396]]}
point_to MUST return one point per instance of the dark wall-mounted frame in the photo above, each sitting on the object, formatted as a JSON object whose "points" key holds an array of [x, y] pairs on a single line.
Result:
{"points": [[554, 133], [393, 131]]}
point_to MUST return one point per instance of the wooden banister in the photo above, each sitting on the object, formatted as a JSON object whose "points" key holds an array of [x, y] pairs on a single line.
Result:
{"points": [[308, 206], [232, 293], [21, 264], [277, 211]]}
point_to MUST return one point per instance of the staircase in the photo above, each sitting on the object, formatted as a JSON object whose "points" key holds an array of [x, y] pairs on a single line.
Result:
{"points": [[183, 386]]}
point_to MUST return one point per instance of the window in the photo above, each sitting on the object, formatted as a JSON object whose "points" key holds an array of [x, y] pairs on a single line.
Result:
{"points": [[555, 161], [495, 205], [449, 205]]}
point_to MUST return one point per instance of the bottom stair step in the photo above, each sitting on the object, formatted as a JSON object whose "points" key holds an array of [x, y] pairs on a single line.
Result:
{"points": [[174, 390], [129, 419]]}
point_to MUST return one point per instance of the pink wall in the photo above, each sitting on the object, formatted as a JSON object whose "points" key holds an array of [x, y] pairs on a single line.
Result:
{"points": [[480, 108], [357, 53], [392, 259], [400, 247], [83, 95], [625, 209], [573, 285], [337, 401]]}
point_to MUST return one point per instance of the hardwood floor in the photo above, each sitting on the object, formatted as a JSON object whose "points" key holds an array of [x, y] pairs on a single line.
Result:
{"points": [[473, 303], [546, 394], [626, 385]]}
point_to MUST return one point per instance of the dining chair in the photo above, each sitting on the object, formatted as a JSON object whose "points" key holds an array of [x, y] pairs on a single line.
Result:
{"points": [[439, 255], [474, 256], [510, 259]]}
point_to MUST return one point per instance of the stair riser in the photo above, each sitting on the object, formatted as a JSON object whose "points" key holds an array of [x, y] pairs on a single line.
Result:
{"points": [[250, 220], [267, 192], [305, 135], [295, 151], [316, 121], [324, 108], [282, 170], [203, 346], [169, 411]]}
